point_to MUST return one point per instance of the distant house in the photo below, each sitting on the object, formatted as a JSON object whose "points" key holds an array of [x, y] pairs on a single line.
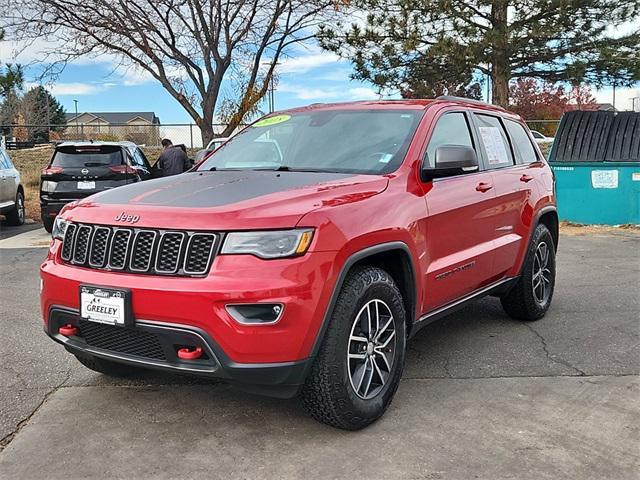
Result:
{"points": [[138, 127], [605, 107]]}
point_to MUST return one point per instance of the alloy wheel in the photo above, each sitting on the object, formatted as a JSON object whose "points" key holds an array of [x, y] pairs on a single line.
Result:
{"points": [[372, 348], [20, 206], [541, 281]]}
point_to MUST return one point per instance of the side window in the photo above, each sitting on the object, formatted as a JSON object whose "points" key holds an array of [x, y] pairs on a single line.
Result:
{"points": [[525, 153], [7, 161], [494, 140], [451, 129], [137, 159], [4, 164]]}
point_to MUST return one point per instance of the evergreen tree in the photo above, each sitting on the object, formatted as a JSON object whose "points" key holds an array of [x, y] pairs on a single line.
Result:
{"points": [[436, 42], [42, 114], [11, 76]]}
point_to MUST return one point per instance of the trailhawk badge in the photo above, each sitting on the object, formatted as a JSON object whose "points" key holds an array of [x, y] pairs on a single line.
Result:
{"points": [[123, 217]]}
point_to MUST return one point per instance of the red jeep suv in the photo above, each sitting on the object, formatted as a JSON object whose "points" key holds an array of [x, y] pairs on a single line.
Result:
{"points": [[302, 255]]}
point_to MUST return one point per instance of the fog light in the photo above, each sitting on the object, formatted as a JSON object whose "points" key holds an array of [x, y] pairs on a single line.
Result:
{"points": [[256, 313]]}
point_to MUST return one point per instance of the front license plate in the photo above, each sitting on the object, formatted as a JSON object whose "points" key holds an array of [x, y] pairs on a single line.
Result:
{"points": [[86, 185], [104, 305]]}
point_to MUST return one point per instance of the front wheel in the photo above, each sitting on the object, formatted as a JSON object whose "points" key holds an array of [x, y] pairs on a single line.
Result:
{"points": [[47, 223], [17, 214], [358, 369], [530, 297]]}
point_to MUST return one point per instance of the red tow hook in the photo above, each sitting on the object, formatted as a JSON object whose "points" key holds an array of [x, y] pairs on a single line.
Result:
{"points": [[68, 330], [186, 354]]}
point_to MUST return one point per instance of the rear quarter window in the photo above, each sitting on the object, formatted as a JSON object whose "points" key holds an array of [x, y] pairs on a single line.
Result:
{"points": [[87, 156], [525, 153]]}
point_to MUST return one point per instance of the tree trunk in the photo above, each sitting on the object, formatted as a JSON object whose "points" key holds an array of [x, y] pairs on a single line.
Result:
{"points": [[206, 132], [500, 65]]}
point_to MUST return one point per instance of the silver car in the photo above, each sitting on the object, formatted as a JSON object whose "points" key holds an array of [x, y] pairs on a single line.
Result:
{"points": [[11, 191]]}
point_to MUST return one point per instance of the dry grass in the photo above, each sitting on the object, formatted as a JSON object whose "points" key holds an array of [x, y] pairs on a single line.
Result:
{"points": [[570, 228], [30, 163]]}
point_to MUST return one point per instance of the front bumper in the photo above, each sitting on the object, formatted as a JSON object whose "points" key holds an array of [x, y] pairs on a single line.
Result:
{"points": [[267, 355], [153, 345]]}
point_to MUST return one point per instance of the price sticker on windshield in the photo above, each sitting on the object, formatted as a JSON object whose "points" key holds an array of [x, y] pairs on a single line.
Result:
{"points": [[267, 122]]}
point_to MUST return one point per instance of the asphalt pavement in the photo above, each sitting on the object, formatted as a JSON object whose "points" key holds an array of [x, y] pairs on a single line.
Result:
{"points": [[482, 396]]}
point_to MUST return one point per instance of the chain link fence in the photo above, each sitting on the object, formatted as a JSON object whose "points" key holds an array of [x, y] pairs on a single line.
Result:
{"points": [[149, 135]]}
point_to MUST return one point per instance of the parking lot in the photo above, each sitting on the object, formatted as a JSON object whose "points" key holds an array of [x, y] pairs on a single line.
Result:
{"points": [[482, 396]]}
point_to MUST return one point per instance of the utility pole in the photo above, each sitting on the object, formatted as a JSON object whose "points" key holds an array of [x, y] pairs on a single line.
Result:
{"points": [[46, 100], [77, 124], [614, 95]]}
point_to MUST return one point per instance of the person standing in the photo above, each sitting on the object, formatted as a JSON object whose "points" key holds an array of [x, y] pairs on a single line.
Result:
{"points": [[173, 160]]}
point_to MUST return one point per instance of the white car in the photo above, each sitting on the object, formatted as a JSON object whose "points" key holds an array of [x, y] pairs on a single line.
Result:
{"points": [[11, 191], [211, 146], [540, 138]]}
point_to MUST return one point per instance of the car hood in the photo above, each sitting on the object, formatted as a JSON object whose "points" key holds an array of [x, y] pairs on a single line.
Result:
{"points": [[228, 199]]}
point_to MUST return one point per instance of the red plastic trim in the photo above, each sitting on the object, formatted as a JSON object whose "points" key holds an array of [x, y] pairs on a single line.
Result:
{"points": [[68, 330], [186, 354]]}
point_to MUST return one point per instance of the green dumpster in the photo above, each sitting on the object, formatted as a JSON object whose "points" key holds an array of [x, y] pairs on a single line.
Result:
{"points": [[596, 160]]}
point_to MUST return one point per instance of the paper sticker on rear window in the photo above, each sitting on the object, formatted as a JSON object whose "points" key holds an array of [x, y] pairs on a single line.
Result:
{"points": [[494, 145], [267, 122]]}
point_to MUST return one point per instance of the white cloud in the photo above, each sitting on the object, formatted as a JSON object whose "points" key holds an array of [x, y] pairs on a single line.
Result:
{"points": [[624, 97], [305, 63], [73, 88], [363, 93], [302, 92]]}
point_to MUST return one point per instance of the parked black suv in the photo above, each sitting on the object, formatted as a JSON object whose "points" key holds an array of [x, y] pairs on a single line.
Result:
{"points": [[80, 169]]}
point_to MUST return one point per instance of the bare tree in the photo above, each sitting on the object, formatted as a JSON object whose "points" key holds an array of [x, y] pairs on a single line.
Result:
{"points": [[205, 53]]}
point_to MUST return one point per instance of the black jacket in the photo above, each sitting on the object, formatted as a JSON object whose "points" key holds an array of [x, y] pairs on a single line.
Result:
{"points": [[173, 160]]}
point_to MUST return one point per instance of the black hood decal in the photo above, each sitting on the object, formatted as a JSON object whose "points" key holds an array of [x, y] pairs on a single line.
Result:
{"points": [[213, 189]]}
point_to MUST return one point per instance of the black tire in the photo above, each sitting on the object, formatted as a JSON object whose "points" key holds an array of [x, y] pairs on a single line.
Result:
{"points": [[106, 367], [523, 301], [16, 215], [329, 393], [47, 223]]}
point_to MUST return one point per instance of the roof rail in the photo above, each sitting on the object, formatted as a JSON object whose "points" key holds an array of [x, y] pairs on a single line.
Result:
{"points": [[462, 99]]}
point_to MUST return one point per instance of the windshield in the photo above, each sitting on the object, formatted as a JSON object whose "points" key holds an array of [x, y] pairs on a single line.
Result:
{"points": [[355, 141], [87, 156]]}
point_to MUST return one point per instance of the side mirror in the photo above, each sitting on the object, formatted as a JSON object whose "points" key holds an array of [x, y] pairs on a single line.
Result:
{"points": [[451, 160]]}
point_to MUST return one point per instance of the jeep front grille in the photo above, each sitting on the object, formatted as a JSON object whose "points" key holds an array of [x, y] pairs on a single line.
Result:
{"points": [[139, 250]]}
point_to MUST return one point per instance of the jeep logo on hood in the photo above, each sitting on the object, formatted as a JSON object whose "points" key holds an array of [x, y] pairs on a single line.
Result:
{"points": [[123, 217]]}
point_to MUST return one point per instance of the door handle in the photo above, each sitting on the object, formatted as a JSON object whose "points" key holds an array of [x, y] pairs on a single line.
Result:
{"points": [[526, 178], [484, 187]]}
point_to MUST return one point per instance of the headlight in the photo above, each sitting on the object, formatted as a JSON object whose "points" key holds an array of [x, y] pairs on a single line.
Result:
{"points": [[269, 244], [59, 227], [48, 186]]}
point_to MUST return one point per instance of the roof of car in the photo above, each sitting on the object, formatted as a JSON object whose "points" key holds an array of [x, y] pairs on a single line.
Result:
{"points": [[410, 104], [404, 104]]}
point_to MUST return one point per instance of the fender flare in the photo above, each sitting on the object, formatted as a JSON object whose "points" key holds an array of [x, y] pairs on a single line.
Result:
{"points": [[544, 210], [350, 262]]}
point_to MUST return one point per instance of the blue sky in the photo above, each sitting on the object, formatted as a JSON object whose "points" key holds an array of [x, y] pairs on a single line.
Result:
{"points": [[307, 76]]}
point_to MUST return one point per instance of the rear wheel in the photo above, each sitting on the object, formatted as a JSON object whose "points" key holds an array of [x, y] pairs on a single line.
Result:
{"points": [[17, 214], [106, 367], [531, 296], [358, 369]]}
